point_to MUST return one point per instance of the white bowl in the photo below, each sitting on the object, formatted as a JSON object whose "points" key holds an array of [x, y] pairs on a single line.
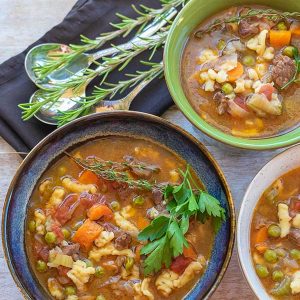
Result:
{"points": [[279, 165]]}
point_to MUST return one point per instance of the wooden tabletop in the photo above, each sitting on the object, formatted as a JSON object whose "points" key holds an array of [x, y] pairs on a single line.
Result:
{"points": [[22, 23]]}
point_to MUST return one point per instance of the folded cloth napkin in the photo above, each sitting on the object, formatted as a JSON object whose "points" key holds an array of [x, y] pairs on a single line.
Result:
{"points": [[88, 17]]}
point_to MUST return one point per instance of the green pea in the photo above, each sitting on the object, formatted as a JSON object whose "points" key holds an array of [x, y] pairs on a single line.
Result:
{"points": [[115, 205], [249, 60], [100, 297], [289, 51], [274, 231], [227, 88], [295, 254], [129, 263], [281, 26], [270, 256], [41, 266], [88, 263], [66, 233], [32, 226], [221, 44], [139, 200], [262, 271], [277, 275], [70, 290], [50, 237], [99, 271]]}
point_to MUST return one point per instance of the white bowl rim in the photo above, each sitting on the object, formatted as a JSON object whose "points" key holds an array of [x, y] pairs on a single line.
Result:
{"points": [[246, 260]]}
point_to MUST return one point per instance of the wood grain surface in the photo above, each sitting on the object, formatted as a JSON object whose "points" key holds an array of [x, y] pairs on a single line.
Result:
{"points": [[21, 23]]}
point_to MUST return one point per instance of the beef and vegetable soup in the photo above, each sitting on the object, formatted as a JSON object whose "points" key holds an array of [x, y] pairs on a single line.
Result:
{"points": [[275, 237], [120, 218], [240, 71]]}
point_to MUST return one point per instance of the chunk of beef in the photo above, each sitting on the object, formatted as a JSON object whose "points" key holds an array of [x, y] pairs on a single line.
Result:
{"points": [[110, 227], [222, 103], [66, 209], [294, 236], [157, 196], [248, 28], [41, 251], [294, 207], [71, 250], [283, 69], [123, 241], [62, 275]]}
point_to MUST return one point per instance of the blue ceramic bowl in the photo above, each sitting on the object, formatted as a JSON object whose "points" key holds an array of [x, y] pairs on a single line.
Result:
{"points": [[94, 127]]}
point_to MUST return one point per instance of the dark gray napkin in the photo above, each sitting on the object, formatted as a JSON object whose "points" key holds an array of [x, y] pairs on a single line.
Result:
{"points": [[88, 17]]}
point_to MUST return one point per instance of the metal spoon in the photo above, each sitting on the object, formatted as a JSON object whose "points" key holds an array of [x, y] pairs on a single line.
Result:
{"points": [[40, 53], [69, 100]]}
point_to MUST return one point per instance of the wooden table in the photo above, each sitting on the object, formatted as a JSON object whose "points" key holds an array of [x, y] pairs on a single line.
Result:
{"points": [[22, 23]]}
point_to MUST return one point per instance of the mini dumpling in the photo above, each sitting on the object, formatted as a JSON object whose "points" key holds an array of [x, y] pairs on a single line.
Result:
{"points": [[165, 282], [109, 249], [104, 238], [76, 187], [56, 198], [126, 225], [80, 274], [284, 219]]}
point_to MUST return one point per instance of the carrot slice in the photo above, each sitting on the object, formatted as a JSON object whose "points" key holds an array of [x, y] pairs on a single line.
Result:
{"points": [[88, 177], [142, 222], [189, 252], [296, 31], [87, 233], [261, 248], [280, 38], [98, 211], [235, 73], [261, 235]]}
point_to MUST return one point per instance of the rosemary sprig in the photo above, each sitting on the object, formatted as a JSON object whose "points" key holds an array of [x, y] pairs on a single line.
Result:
{"points": [[100, 93], [123, 28], [270, 14], [77, 83]]}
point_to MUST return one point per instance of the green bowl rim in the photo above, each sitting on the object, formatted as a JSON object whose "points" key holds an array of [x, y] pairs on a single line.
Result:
{"points": [[286, 139]]}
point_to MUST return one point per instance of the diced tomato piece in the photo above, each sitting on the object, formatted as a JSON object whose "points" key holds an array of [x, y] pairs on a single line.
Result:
{"points": [[56, 228], [267, 90], [62, 271], [66, 209], [180, 263]]}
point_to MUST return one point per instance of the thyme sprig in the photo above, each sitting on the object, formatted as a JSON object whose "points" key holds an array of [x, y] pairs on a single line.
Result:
{"points": [[122, 28], [77, 83], [270, 14]]}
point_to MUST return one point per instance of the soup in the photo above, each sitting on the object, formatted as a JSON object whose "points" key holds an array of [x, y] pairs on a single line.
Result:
{"points": [[239, 71], [275, 237], [117, 218]]}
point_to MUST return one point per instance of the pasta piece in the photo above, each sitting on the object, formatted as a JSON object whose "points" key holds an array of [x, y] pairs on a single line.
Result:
{"points": [[284, 219], [212, 74], [56, 198], [44, 185], [222, 76], [258, 43], [104, 238], [295, 284], [145, 289], [128, 212], [72, 297], [97, 253], [80, 274], [209, 86], [240, 86], [55, 289], [252, 74], [40, 220], [133, 274], [269, 53], [126, 225], [189, 273], [76, 187], [165, 282], [296, 221]]}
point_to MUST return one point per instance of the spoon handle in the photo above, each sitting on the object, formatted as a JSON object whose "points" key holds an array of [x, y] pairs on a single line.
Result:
{"points": [[138, 40]]}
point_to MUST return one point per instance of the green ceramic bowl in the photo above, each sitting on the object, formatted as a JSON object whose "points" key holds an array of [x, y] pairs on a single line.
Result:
{"points": [[191, 15]]}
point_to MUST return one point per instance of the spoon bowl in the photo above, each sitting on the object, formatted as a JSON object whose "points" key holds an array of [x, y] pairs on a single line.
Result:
{"points": [[39, 55]]}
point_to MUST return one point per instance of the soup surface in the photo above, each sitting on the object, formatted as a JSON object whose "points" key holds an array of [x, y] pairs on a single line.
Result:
{"points": [[275, 237], [83, 238], [239, 71]]}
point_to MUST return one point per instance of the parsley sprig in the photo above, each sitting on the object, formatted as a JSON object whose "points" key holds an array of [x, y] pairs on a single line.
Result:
{"points": [[165, 234]]}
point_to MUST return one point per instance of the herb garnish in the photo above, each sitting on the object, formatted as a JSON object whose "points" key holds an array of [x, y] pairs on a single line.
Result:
{"points": [[165, 234], [297, 71], [269, 14]]}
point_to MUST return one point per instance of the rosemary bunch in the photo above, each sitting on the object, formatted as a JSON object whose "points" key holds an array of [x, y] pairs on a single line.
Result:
{"points": [[270, 14], [77, 83], [100, 93], [123, 28]]}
